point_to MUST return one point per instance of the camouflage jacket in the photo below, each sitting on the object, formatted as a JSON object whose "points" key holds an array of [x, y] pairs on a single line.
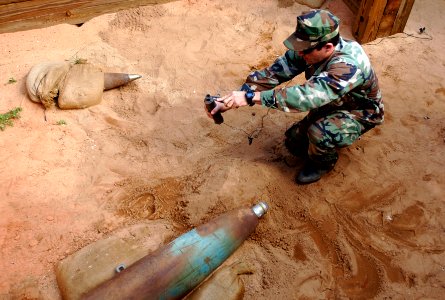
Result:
{"points": [[344, 81]]}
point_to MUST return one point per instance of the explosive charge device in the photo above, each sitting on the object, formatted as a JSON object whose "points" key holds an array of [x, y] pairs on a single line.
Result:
{"points": [[209, 101]]}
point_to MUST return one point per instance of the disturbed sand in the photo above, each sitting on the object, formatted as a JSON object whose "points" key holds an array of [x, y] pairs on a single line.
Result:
{"points": [[372, 228]]}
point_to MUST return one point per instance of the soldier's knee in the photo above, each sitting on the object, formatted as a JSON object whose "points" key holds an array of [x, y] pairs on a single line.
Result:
{"points": [[316, 135]]}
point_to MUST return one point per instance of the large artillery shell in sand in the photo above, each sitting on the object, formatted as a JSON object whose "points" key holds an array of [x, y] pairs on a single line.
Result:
{"points": [[175, 269]]}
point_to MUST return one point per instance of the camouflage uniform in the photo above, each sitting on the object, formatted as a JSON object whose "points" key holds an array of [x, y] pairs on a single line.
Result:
{"points": [[341, 93]]}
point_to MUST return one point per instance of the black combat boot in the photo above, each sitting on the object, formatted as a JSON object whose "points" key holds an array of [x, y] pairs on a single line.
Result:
{"points": [[314, 169]]}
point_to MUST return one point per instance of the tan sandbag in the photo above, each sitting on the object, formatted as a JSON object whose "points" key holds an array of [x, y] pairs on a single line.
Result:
{"points": [[97, 262], [43, 81], [82, 87], [224, 284], [312, 3]]}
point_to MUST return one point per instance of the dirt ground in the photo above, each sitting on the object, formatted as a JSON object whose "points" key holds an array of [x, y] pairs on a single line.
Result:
{"points": [[372, 228]]}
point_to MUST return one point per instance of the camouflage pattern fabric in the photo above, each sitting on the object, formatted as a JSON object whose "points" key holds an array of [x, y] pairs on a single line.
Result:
{"points": [[337, 130], [312, 28], [318, 139], [345, 81], [342, 91]]}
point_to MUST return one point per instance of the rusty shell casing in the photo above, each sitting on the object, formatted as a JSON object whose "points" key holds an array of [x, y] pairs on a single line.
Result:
{"points": [[175, 269], [114, 80]]}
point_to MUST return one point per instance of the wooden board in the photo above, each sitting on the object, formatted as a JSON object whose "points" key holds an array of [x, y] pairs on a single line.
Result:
{"points": [[24, 15], [10, 1], [402, 16], [388, 17], [368, 19], [380, 18]]}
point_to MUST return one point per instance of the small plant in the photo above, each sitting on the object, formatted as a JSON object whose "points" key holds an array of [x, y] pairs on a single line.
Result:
{"points": [[11, 80], [80, 61], [61, 122], [6, 118]]}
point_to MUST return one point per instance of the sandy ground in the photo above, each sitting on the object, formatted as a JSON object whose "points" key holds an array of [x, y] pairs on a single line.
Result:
{"points": [[372, 228]]}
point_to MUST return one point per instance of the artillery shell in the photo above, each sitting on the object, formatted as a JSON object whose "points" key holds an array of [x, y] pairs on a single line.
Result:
{"points": [[114, 80], [174, 270]]}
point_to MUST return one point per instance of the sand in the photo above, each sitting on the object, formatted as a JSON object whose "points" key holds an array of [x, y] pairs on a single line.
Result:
{"points": [[372, 228]]}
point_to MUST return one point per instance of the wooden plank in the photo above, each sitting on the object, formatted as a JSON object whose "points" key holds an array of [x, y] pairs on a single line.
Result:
{"points": [[24, 15], [402, 16], [11, 1], [380, 18], [388, 18], [368, 20], [360, 22]]}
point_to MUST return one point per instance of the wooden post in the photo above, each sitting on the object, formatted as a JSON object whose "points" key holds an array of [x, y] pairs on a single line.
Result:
{"points": [[379, 18], [402, 16], [17, 15], [368, 20]]}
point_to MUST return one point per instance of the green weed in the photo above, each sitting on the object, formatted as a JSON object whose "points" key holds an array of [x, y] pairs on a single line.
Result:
{"points": [[6, 118], [61, 122], [80, 61], [11, 80]]}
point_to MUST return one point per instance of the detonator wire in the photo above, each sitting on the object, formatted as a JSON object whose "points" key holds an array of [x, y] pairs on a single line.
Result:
{"points": [[422, 31], [255, 133]]}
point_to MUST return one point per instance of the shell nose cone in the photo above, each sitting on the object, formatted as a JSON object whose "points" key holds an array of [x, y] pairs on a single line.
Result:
{"points": [[114, 80], [134, 76], [260, 209]]}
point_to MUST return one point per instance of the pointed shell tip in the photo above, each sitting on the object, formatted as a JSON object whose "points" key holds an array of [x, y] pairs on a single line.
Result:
{"points": [[260, 209]]}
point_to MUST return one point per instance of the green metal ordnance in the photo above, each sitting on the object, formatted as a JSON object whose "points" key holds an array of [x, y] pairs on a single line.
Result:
{"points": [[176, 268]]}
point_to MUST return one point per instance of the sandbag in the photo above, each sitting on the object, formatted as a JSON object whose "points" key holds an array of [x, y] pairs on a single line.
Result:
{"points": [[224, 284], [82, 87], [43, 82], [97, 262], [312, 3], [70, 86]]}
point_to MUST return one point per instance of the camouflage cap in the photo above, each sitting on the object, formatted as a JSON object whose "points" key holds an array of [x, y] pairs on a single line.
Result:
{"points": [[312, 28]]}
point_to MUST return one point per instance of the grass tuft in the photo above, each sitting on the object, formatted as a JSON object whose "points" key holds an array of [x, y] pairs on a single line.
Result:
{"points": [[6, 118], [11, 80], [80, 61], [61, 122]]}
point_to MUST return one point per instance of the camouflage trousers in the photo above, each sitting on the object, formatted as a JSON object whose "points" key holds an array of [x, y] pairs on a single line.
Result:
{"points": [[318, 136]]}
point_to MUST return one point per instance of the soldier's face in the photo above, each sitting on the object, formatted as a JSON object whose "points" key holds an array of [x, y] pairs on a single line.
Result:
{"points": [[315, 56]]}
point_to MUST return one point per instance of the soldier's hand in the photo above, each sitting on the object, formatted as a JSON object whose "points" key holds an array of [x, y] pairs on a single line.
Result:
{"points": [[233, 100]]}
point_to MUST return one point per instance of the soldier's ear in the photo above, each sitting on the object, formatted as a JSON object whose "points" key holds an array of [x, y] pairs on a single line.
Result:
{"points": [[329, 47]]}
